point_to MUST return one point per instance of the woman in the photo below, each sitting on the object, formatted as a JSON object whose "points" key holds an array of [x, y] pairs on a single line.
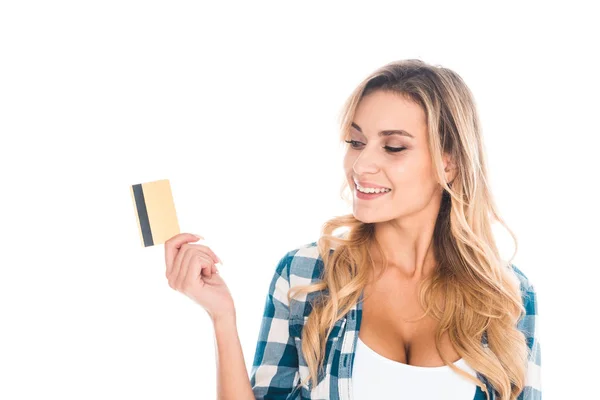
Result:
{"points": [[412, 300]]}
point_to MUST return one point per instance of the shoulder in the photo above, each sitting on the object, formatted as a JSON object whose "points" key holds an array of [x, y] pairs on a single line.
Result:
{"points": [[529, 325], [527, 322], [523, 279], [305, 263], [528, 292], [301, 265]]}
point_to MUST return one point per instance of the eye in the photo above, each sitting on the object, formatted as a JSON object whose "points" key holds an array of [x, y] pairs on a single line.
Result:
{"points": [[353, 144], [394, 149]]}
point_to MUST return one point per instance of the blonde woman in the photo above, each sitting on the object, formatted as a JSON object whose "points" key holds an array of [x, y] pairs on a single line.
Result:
{"points": [[408, 296]]}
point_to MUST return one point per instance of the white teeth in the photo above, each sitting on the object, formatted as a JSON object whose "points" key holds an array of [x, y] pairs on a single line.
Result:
{"points": [[372, 190]]}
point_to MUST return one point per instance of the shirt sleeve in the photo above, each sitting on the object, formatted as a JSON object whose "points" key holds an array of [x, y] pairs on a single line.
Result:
{"points": [[527, 324], [275, 364]]}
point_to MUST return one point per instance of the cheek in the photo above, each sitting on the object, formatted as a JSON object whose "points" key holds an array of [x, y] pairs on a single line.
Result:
{"points": [[348, 162], [405, 172], [412, 179]]}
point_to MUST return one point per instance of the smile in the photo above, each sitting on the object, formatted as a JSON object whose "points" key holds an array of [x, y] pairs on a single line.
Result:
{"points": [[370, 193]]}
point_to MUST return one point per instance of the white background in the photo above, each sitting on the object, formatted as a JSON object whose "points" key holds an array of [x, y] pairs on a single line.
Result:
{"points": [[237, 105]]}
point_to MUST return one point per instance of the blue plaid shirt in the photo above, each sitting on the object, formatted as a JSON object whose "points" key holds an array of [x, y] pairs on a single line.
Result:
{"points": [[279, 364]]}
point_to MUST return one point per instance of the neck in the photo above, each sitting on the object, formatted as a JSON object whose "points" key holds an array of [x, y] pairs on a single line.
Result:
{"points": [[407, 245]]}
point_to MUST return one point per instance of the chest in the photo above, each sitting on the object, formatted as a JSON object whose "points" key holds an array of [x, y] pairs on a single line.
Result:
{"points": [[336, 382], [379, 320], [395, 326]]}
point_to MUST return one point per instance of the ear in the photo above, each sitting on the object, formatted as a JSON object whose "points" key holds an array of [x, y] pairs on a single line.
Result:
{"points": [[449, 168]]}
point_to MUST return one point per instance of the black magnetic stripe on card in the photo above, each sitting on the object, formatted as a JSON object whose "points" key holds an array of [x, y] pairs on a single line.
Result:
{"points": [[140, 204]]}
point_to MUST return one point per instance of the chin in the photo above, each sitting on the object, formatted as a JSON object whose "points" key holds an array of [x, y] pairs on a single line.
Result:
{"points": [[366, 219]]}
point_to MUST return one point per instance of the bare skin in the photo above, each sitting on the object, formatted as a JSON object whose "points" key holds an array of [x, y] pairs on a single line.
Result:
{"points": [[389, 302], [404, 222]]}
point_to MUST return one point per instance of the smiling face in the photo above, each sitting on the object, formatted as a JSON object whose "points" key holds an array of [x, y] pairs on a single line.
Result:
{"points": [[389, 148]]}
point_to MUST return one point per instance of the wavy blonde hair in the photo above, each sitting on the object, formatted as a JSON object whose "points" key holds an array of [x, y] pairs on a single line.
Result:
{"points": [[480, 291]]}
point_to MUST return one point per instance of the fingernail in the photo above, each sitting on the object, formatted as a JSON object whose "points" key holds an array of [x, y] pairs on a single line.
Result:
{"points": [[198, 237]]}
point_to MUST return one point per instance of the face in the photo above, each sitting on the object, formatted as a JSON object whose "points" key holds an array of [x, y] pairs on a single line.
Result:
{"points": [[389, 148]]}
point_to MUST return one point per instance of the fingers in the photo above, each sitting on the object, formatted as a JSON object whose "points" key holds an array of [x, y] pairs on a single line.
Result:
{"points": [[207, 250], [180, 262], [173, 245], [183, 266], [200, 266], [177, 262], [190, 263], [192, 257], [192, 277]]}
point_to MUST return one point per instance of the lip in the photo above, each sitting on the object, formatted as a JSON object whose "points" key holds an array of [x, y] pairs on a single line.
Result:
{"points": [[368, 185], [368, 196]]}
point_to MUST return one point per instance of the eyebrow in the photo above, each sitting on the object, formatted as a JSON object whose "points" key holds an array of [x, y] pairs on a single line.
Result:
{"points": [[388, 132]]}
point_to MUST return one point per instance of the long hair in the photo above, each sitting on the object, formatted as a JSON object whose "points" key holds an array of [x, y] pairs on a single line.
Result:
{"points": [[480, 291]]}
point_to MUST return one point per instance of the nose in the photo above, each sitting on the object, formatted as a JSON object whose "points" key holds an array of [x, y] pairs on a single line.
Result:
{"points": [[367, 161]]}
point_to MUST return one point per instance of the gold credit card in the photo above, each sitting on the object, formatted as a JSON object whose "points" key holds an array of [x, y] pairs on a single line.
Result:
{"points": [[154, 211]]}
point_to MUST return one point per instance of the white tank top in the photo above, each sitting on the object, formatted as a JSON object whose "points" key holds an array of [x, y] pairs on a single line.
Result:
{"points": [[378, 377]]}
